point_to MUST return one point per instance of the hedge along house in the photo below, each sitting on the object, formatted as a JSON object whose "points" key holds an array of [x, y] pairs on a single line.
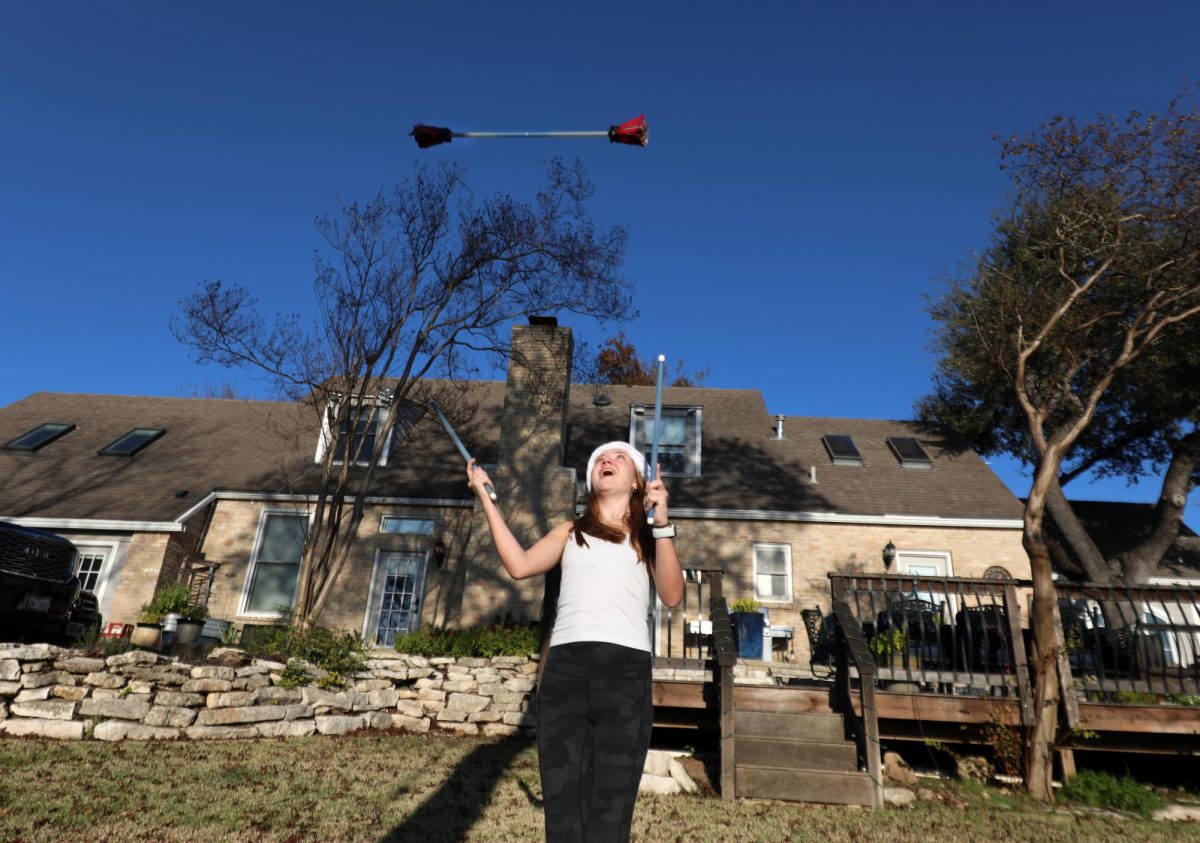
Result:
{"points": [[777, 503]]}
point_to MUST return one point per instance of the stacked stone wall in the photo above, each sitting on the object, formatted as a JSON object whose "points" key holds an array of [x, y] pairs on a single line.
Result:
{"points": [[57, 693]]}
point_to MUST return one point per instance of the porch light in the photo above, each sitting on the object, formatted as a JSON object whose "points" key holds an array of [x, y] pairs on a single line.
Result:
{"points": [[889, 555]]}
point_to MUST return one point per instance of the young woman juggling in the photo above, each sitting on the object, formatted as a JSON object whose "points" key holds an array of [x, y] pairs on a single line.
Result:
{"points": [[595, 705]]}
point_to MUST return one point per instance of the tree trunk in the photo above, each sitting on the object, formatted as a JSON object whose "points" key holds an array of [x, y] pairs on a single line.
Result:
{"points": [[1039, 750]]}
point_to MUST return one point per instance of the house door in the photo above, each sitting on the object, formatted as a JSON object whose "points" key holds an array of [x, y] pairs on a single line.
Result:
{"points": [[932, 566], [396, 588]]}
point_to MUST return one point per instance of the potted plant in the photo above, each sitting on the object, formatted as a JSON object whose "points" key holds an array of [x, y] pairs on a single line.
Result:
{"points": [[148, 632], [889, 647], [748, 625], [191, 622], [171, 601]]}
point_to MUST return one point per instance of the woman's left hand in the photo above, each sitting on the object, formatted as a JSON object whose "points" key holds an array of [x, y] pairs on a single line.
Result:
{"points": [[656, 497]]}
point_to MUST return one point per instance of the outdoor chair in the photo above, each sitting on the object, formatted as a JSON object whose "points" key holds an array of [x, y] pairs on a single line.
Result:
{"points": [[984, 643], [820, 629]]}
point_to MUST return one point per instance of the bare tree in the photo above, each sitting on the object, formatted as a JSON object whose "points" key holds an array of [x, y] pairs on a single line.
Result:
{"points": [[1092, 281], [413, 284]]}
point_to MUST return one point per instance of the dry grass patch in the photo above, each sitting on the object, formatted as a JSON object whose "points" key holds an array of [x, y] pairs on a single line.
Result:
{"points": [[433, 789]]}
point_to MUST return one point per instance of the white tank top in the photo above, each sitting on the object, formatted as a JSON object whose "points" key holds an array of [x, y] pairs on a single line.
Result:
{"points": [[605, 595]]}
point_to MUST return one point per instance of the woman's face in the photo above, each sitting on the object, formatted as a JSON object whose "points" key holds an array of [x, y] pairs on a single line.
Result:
{"points": [[613, 471]]}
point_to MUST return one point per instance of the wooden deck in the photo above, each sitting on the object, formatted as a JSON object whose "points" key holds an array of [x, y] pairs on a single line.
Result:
{"points": [[944, 660]]}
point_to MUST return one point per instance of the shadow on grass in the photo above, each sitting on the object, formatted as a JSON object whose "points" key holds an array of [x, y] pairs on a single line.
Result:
{"points": [[451, 812]]}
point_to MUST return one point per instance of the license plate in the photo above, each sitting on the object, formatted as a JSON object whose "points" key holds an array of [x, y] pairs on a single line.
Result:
{"points": [[34, 603]]}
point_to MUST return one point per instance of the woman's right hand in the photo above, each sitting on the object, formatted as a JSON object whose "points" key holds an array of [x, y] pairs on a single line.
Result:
{"points": [[477, 478]]}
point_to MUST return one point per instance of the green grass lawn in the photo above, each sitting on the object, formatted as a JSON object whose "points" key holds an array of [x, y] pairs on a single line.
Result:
{"points": [[432, 789]]}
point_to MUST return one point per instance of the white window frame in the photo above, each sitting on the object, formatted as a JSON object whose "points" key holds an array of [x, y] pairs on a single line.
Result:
{"points": [[110, 556], [252, 568], [328, 440], [787, 548], [431, 519], [694, 421]]}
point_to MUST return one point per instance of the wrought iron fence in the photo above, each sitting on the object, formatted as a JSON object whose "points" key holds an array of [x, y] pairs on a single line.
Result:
{"points": [[1132, 644], [947, 635]]}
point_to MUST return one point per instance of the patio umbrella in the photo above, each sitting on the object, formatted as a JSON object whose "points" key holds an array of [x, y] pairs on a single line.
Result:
{"points": [[635, 132]]}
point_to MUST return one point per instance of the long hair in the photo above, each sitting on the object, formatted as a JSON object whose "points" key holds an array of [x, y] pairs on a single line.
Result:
{"points": [[635, 524]]}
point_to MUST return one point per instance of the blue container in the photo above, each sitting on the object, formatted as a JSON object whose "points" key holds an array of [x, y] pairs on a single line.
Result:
{"points": [[748, 634]]}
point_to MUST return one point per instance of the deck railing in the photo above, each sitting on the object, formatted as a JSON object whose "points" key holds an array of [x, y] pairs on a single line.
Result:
{"points": [[851, 649], [1132, 644], [948, 635], [685, 633], [962, 636]]}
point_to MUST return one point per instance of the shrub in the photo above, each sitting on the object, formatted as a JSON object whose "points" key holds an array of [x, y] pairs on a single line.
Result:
{"points": [[481, 642], [173, 598], [1104, 790], [340, 653], [745, 604]]}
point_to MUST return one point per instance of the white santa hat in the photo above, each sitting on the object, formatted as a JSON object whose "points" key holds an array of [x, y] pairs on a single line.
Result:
{"points": [[639, 461]]}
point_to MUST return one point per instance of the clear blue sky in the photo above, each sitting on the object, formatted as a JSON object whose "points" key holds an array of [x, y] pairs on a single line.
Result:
{"points": [[813, 170]]}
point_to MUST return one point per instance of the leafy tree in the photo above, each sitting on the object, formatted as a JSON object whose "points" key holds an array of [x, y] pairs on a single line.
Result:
{"points": [[618, 362], [1071, 342], [414, 283]]}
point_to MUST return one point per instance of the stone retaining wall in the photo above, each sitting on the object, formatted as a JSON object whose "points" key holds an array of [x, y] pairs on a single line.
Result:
{"points": [[51, 692], [57, 693]]}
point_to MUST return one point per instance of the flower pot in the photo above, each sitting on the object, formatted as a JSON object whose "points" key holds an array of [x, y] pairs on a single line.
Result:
{"points": [[214, 630], [748, 633], [147, 636], [188, 632]]}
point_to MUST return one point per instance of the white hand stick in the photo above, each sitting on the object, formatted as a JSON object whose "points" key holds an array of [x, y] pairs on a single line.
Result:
{"points": [[653, 467]]}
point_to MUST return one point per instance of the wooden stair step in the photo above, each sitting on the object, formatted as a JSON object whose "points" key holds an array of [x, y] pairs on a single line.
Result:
{"points": [[839, 757], [819, 728], [820, 786], [780, 698]]}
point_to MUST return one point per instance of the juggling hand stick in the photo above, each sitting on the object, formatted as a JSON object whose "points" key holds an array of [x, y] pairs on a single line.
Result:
{"points": [[653, 467], [462, 449], [635, 132]]}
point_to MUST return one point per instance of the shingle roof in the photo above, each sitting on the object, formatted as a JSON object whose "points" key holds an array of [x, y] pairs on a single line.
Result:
{"points": [[1118, 526], [268, 447], [744, 467]]}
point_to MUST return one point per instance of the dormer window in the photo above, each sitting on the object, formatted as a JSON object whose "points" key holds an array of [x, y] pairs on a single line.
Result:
{"points": [[132, 442], [39, 437], [842, 449], [909, 451], [678, 438], [367, 425]]}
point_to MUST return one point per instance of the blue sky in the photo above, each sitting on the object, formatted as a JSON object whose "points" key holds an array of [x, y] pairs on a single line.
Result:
{"points": [[813, 170]]}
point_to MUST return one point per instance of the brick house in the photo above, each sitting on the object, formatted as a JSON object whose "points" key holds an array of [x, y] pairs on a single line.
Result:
{"points": [[776, 502]]}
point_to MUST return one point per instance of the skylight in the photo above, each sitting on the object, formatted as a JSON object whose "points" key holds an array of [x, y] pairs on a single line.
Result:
{"points": [[133, 441], [909, 451], [39, 437], [841, 449]]}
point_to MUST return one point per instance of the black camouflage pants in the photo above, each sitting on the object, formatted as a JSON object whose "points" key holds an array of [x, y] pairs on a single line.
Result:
{"points": [[595, 709]]}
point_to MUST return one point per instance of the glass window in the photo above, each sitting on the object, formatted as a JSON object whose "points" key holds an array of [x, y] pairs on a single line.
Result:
{"points": [[367, 425], [842, 449], [409, 526], [88, 567], [277, 563], [773, 572], [39, 437], [133, 441], [909, 451], [678, 438]]}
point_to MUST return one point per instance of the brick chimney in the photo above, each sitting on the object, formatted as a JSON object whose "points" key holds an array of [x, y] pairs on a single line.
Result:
{"points": [[535, 490]]}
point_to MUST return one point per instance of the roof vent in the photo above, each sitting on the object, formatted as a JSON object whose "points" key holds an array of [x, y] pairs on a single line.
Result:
{"points": [[812, 474], [779, 427], [601, 399]]}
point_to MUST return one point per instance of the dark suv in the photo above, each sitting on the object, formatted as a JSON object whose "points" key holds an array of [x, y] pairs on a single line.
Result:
{"points": [[40, 595]]}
